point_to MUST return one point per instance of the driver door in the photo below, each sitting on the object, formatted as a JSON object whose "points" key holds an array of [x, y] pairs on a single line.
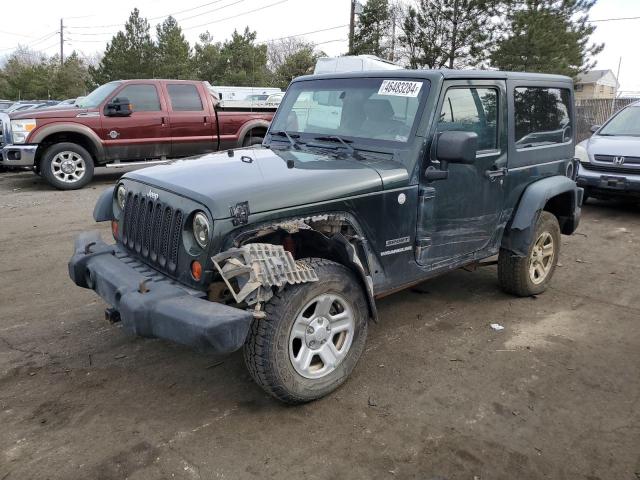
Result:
{"points": [[143, 134], [458, 215]]}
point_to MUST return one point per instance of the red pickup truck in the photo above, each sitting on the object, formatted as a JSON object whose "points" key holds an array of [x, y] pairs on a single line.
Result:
{"points": [[126, 121]]}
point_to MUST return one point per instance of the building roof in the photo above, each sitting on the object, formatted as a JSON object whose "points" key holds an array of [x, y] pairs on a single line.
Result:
{"points": [[593, 76]]}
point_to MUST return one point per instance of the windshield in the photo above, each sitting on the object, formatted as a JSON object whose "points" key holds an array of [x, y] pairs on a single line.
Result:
{"points": [[627, 122], [363, 110], [95, 98]]}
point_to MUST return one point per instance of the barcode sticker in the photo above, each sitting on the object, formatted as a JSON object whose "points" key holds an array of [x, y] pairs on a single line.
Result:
{"points": [[400, 88]]}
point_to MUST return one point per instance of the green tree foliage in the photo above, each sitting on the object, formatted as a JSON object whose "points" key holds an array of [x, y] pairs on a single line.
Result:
{"points": [[297, 64], [549, 36], [206, 59], [242, 61], [448, 33], [129, 54], [371, 34], [31, 75], [173, 51]]}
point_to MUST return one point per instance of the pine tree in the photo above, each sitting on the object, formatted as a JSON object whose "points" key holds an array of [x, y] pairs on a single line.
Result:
{"points": [[549, 36], [207, 62], [243, 62], [129, 54], [296, 64], [371, 34], [448, 33], [173, 51]]}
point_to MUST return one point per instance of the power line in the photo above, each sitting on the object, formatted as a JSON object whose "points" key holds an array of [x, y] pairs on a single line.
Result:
{"points": [[613, 19], [306, 33], [236, 16], [33, 43], [155, 18]]}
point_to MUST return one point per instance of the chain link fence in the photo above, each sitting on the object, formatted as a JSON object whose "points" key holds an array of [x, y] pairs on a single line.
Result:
{"points": [[596, 112]]}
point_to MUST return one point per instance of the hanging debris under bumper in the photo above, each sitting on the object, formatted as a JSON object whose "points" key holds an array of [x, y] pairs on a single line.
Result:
{"points": [[251, 271]]}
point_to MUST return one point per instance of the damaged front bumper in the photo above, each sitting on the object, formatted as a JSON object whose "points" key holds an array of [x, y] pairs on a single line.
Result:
{"points": [[152, 305]]}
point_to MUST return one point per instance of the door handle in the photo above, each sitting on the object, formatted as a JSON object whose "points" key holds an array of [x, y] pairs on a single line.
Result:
{"points": [[494, 173], [162, 119], [205, 119]]}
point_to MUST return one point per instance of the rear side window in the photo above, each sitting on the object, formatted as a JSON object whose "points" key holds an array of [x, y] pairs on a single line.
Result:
{"points": [[144, 98], [184, 98], [472, 110], [542, 116]]}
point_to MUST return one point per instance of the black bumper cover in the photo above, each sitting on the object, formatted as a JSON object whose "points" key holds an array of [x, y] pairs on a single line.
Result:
{"points": [[161, 308]]}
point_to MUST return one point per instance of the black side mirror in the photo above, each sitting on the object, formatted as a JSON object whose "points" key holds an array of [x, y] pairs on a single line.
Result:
{"points": [[594, 128], [457, 147], [119, 107]]}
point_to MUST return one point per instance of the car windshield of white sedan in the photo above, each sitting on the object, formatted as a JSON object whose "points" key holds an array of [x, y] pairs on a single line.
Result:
{"points": [[626, 123], [357, 108]]}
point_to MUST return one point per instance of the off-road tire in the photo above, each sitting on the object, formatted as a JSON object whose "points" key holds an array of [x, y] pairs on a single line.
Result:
{"points": [[266, 351], [48, 157], [513, 270]]}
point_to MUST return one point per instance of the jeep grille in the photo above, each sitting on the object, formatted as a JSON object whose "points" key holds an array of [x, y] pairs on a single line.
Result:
{"points": [[152, 230]]}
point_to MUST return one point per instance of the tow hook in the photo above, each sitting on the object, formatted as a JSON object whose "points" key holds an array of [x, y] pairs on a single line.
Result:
{"points": [[111, 315]]}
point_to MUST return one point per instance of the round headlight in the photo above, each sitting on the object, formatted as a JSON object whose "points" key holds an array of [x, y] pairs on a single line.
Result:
{"points": [[201, 229], [121, 196]]}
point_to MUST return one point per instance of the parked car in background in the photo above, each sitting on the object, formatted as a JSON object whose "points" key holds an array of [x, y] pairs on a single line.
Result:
{"points": [[282, 251], [5, 105], [610, 160], [275, 99], [353, 63], [123, 122], [226, 93], [22, 106], [70, 102]]}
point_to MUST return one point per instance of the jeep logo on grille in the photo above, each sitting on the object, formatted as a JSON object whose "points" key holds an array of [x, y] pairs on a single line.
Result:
{"points": [[618, 160], [153, 195]]}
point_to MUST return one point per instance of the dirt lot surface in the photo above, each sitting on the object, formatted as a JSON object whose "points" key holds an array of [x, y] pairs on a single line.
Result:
{"points": [[437, 395]]}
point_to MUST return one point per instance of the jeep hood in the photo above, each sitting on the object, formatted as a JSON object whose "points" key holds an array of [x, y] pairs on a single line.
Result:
{"points": [[613, 145], [267, 179]]}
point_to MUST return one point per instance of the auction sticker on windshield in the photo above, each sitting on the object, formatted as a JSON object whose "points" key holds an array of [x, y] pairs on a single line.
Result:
{"points": [[400, 88]]}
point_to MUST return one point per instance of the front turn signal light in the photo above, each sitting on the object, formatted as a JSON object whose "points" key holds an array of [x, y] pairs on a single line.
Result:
{"points": [[196, 270], [114, 229]]}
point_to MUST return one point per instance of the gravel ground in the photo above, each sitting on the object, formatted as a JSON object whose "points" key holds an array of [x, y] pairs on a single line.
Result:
{"points": [[437, 394]]}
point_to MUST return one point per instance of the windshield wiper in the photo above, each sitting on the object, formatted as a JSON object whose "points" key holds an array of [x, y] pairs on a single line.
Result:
{"points": [[292, 138], [345, 143]]}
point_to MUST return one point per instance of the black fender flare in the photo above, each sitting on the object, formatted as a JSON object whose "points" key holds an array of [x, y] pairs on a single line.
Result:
{"points": [[250, 125], [103, 211], [518, 234]]}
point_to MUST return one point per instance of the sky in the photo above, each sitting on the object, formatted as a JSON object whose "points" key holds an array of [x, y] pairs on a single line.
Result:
{"points": [[89, 25]]}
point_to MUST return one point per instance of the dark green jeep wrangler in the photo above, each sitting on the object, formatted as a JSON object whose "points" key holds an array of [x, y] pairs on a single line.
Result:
{"points": [[367, 183]]}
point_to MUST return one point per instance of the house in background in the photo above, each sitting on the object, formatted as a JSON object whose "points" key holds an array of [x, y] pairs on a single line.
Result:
{"points": [[596, 84]]}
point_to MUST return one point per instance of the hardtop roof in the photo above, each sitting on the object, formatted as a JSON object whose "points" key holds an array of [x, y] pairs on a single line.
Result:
{"points": [[444, 74]]}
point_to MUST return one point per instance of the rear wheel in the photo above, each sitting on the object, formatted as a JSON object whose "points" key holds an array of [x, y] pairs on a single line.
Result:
{"points": [[67, 166], [252, 140], [312, 336], [530, 275]]}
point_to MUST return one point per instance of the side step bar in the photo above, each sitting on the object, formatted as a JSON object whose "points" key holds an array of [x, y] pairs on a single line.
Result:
{"points": [[136, 164]]}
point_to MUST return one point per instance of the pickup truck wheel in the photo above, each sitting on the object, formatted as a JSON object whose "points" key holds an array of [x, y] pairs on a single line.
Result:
{"points": [[312, 335], [67, 166], [250, 141], [530, 275]]}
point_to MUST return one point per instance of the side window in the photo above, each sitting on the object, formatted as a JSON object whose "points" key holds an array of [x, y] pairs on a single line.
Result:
{"points": [[542, 116], [144, 98], [184, 98], [472, 109]]}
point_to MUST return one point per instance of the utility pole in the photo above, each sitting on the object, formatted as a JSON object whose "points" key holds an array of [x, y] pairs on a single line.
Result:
{"points": [[61, 44], [352, 25], [615, 94], [393, 32]]}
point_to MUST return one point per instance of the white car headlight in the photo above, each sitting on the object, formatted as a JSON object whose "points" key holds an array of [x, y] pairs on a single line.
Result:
{"points": [[581, 154], [121, 196], [201, 229], [20, 129]]}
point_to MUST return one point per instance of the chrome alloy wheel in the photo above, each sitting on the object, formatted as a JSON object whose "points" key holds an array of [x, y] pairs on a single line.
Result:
{"points": [[321, 335], [541, 258], [68, 167]]}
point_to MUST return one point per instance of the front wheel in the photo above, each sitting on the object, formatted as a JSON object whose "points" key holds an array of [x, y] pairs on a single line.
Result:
{"points": [[67, 166], [530, 275], [312, 335]]}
